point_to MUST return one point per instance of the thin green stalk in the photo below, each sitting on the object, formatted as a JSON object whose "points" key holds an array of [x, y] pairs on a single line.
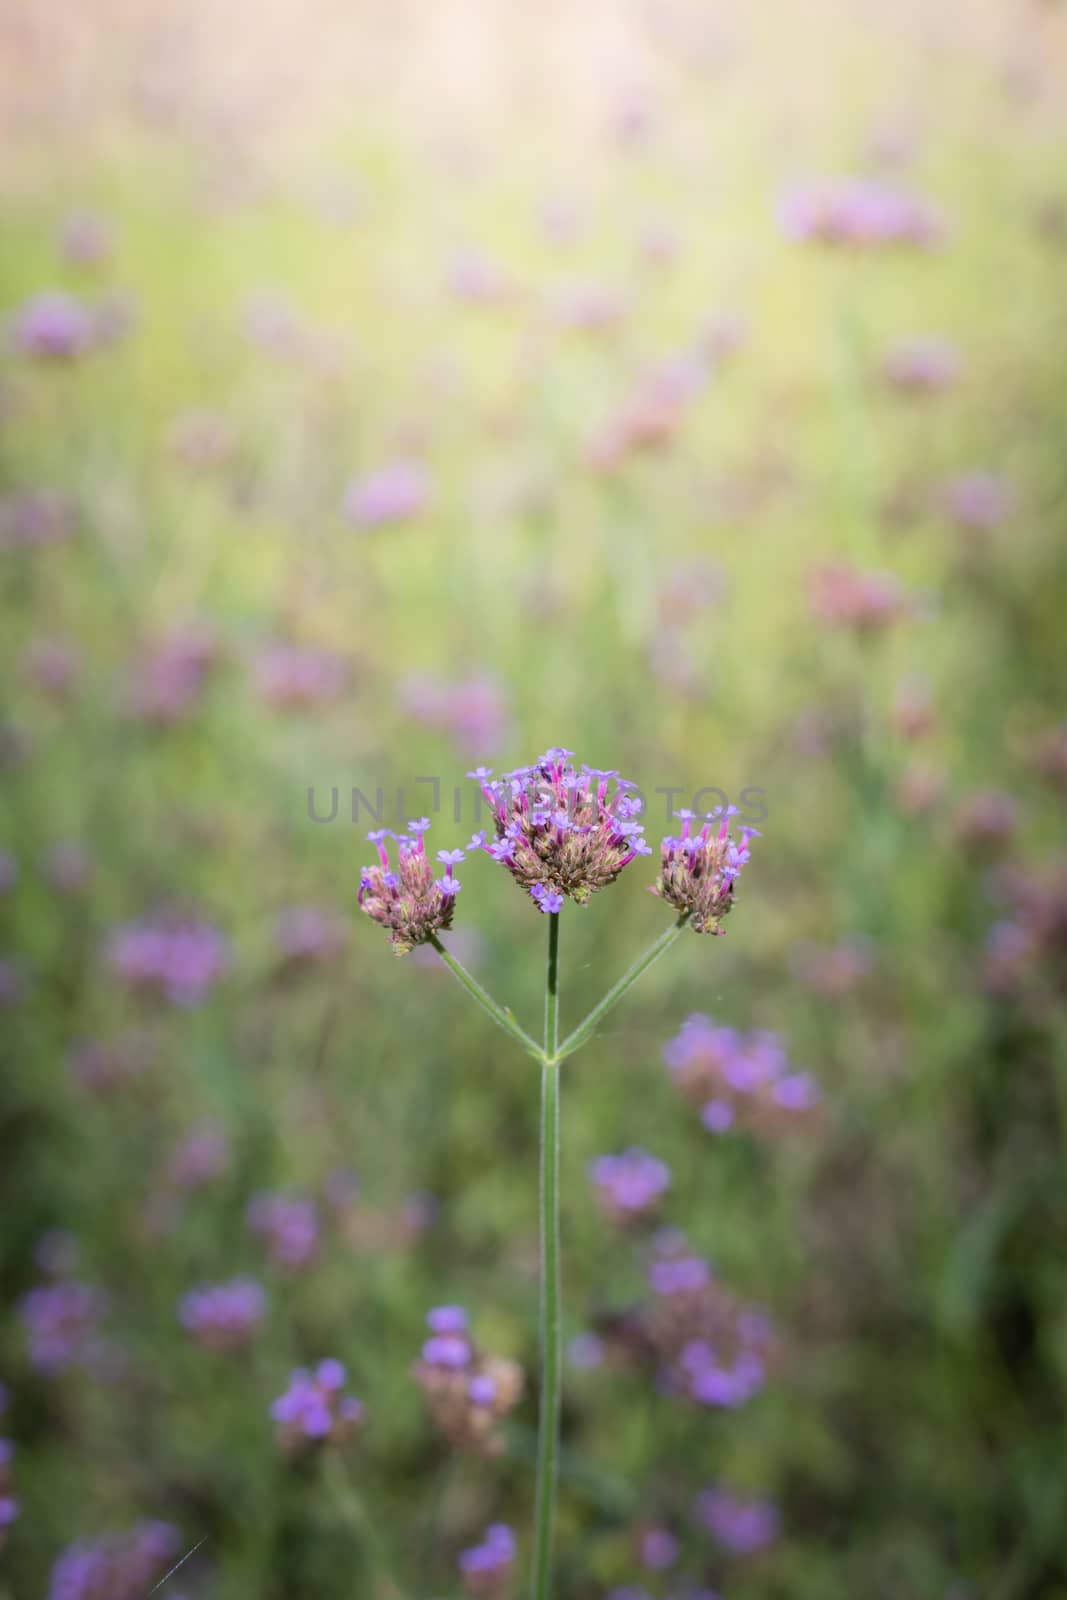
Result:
{"points": [[584, 1029], [499, 1014], [352, 1509], [548, 1432]]}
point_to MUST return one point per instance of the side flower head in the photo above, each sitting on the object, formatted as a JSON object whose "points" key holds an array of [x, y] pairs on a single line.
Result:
{"points": [[698, 871], [562, 833], [409, 901]]}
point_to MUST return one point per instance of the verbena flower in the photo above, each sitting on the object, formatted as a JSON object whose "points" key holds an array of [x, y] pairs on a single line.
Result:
{"points": [[173, 956], [698, 871], [394, 493], [53, 326], [739, 1525], [467, 1392], [223, 1316], [558, 831], [314, 1409], [410, 902], [62, 1323], [486, 1568], [115, 1567], [629, 1186], [739, 1079], [289, 1226]]}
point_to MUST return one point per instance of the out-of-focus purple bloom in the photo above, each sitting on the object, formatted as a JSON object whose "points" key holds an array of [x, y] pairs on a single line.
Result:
{"points": [[116, 1567], [859, 212], [314, 1409], [924, 365], [589, 308], [395, 493], [978, 501], [844, 597], [309, 935], [585, 1352], [631, 1185], [223, 1316], [476, 280], [62, 1322], [658, 1549], [37, 517], [486, 1568], [474, 711], [290, 678], [201, 440], [167, 682], [834, 970], [53, 326], [289, 1226], [742, 1079], [9, 1506], [201, 1156], [741, 1526], [466, 1391], [179, 958], [986, 821]]}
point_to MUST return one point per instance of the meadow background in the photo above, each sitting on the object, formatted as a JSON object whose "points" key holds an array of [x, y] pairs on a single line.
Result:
{"points": [[714, 477]]}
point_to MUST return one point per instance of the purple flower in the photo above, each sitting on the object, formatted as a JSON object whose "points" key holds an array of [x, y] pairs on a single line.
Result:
{"points": [[486, 1567], [308, 935], [53, 326], [200, 1157], [922, 366], [447, 1319], [289, 1226], [394, 493], [741, 1526], [558, 831], [978, 501], [115, 1567], [290, 678], [862, 213], [409, 903], [62, 1323], [315, 1409], [224, 1316], [631, 1185], [698, 873], [179, 958], [659, 1549]]}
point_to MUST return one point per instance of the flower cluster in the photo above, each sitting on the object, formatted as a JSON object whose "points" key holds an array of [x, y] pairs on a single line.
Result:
{"points": [[845, 597], [629, 1186], [223, 1316], [558, 831], [122, 1567], [179, 958], [863, 213], [169, 679], [738, 1079], [409, 902], [704, 1344], [698, 870], [486, 1568], [53, 326], [290, 678], [741, 1526], [394, 493], [922, 366], [62, 1323], [314, 1409], [288, 1225], [466, 1391]]}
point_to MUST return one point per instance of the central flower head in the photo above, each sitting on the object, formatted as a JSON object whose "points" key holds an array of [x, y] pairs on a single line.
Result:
{"points": [[561, 832]]}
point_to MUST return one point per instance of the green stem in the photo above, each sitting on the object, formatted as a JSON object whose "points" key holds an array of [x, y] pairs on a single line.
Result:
{"points": [[548, 1433], [355, 1515], [582, 1032], [500, 1016]]}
